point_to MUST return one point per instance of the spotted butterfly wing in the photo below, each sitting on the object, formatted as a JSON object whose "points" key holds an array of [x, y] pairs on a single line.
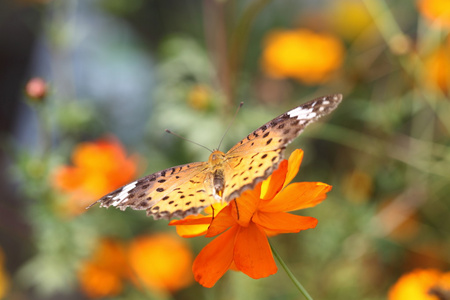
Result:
{"points": [[174, 192], [187, 189], [258, 155]]}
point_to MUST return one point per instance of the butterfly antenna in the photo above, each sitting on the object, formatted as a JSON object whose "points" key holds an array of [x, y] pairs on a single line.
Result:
{"points": [[229, 125], [188, 140]]}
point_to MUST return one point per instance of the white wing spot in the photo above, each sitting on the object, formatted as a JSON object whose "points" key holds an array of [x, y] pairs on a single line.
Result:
{"points": [[124, 193], [301, 113]]}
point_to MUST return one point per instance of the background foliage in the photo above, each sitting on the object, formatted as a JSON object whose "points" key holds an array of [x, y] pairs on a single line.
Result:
{"points": [[125, 70]]}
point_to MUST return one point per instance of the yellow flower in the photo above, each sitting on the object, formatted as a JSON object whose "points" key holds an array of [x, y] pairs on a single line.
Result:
{"points": [[161, 262], [301, 54], [199, 97], [436, 11], [349, 18], [103, 274], [421, 284]]}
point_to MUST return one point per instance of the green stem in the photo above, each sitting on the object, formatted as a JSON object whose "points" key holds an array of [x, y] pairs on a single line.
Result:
{"points": [[290, 274]]}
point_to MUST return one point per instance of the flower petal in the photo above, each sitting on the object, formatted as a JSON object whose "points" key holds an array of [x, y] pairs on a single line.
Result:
{"points": [[189, 231], [252, 253], [298, 195], [281, 222], [192, 226], [294, 163], [245, 206], [215, 259], [274, 183], [215, 208], [222, 222], [192, 220]]}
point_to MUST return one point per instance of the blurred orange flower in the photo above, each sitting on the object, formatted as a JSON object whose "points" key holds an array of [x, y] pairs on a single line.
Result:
{"points": [[161, 262], [103, 274], [301, 54], [436, 11], [259, 213], [4, 278], [437, 68], [98, 168], [421, 284]]}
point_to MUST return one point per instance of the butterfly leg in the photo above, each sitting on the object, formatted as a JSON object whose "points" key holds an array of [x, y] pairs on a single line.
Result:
{"points": [[237, 208], [213, 214]]}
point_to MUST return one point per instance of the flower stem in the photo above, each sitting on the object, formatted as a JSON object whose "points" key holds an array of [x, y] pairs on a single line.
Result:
{"points": [[290, 274]]}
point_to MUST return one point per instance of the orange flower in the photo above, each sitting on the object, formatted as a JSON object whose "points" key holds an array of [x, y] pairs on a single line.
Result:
{"points": [[421, 284], [436, 11], [4, 278], [99, 167], [301, 54], [437, 68], [259, 213], [103, 274], [161, 262]]}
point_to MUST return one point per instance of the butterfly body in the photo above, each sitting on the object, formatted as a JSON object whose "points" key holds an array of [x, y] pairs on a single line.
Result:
{"points": [[187, 189], [217, 161]]}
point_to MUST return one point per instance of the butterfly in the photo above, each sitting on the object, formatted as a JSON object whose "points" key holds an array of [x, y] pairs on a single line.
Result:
{"points": [[187, 189]]}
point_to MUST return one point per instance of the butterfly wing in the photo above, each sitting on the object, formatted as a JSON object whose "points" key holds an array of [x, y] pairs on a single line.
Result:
{"points": [[186, 189], [174, 192], [254, 158]]}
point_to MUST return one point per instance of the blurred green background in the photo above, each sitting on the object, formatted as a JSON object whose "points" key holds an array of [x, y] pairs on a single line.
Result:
{"points": [[125, 70]]}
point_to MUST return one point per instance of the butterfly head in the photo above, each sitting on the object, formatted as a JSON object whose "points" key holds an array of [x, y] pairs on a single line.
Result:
{"points": [[216, 158]]}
